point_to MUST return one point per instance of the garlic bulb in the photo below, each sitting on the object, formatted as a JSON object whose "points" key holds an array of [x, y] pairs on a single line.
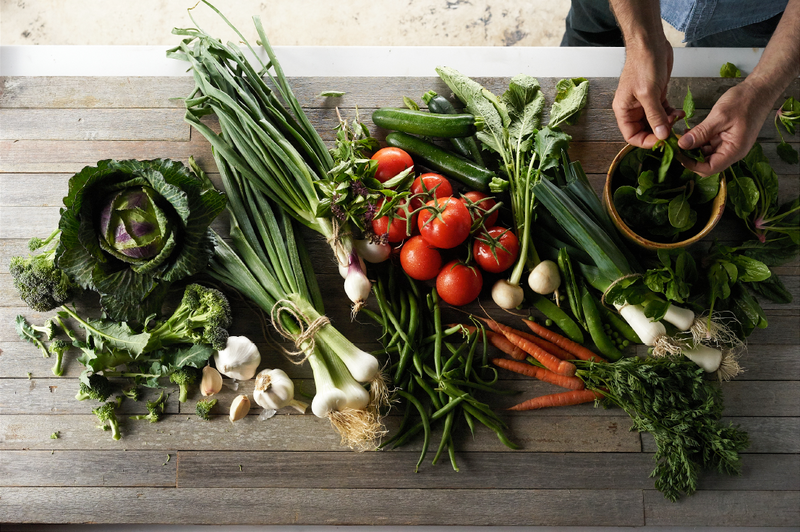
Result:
{"points": [[239, 407], [211, 382], [239, 360], [274, 390]]}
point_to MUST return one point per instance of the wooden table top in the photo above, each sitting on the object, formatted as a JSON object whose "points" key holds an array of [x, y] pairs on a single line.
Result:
{"points": [[578, 466]]}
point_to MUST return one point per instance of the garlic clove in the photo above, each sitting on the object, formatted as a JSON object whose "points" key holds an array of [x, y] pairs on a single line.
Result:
{"points": [[239, 407], [211, 382]]}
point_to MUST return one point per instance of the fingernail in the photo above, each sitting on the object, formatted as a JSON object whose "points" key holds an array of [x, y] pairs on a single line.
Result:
{"points": [[686, 141], [662, 132]]}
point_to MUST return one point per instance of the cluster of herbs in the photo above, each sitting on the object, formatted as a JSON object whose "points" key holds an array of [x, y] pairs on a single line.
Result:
{"points": [[671, 399], [129, 230], [350, 192]]}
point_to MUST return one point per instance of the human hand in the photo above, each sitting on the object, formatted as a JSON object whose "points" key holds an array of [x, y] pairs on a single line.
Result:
{"points": [[640, 104], [729, 130]]}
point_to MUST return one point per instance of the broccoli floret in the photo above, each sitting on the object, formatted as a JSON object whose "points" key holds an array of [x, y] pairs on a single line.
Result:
{"points": [[48, 329], [155, 409], [202, 318], [58, 347], [184, 377], [26, 332], [204, 407], [99, 388], [40, 283], [108, 417], [134, 393]]}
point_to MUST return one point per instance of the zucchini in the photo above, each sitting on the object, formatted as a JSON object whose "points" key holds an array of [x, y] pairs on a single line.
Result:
{"points": [[451, 165], [465, 146], [425, 123]]}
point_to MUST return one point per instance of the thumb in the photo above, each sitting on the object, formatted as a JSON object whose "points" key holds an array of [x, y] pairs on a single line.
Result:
{"points": [[699, 135], [656, 116]]}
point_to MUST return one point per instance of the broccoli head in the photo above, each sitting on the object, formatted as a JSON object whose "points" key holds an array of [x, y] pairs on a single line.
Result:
{"points": [[99, 388], [58, 347], [41, 284], [155, 409], [203, 408], [202, 317], [106, 413], [134, 393], [184, 377]]}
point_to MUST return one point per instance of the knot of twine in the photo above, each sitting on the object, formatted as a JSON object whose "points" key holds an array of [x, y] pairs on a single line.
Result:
{"points": [[306, 334], [615, 283], [335, 242]]}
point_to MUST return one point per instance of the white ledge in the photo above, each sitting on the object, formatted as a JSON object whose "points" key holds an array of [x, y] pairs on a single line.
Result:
{"points": [[367, 61]]}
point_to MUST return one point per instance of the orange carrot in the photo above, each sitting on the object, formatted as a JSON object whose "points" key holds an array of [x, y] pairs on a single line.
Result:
{"points": [[550, 347], [553, 363], [572, 397], [565, 343], [545, 375], [501, 343]]}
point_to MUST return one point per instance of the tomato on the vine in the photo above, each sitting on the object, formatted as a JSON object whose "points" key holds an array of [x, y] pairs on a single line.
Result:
{"points": [[459, 284], [391, 161], [444, 223], [478, 204], [433, 184], [420, 260], [395, 224], [505, 245]]}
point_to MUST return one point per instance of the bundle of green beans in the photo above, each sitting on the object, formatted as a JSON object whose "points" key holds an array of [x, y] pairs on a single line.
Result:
{"points": [[437, 372]]}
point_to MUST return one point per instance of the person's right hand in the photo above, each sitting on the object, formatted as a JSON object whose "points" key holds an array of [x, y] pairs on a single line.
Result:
{"points": [[640, 104]]}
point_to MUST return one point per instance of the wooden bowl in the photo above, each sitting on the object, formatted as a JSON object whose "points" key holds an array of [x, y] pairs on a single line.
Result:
{"points": [[717, 209]]}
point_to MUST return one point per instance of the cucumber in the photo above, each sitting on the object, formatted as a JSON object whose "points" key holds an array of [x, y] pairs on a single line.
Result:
{"points": [[425, 123], [451, 165], [465, 146]]}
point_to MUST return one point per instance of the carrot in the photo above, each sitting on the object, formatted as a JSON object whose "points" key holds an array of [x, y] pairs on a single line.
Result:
{"points": [[501, 343], [572, 397], [550, 347], [563, 342], [553, 363], [544, 375]]}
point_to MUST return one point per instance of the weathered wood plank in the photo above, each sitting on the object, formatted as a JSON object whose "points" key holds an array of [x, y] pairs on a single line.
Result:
{"points": [[519, 470], [303, 433], [147, 92], [246, 506], [57, 396], [762, 398], [109, 469], [724, 509], [94, 124], [767, 434]]}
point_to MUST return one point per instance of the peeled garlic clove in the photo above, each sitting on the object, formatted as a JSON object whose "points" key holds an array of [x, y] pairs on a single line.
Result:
{"points": [[212, 381], [240, 407]]}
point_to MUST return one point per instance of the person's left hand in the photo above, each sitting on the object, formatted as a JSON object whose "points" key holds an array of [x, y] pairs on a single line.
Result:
{"points": [[729, 130]]}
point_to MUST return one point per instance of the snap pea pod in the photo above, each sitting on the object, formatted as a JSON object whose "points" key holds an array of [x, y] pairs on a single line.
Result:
{"points": [[570, 327], [619, 325], [570, 285], [594, 325]]}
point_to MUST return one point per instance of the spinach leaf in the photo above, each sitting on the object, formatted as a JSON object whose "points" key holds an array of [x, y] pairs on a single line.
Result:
{"points": [[706, 188], [679, 212], [743, 195], [729, 70], [688, 107], [787, 153]]}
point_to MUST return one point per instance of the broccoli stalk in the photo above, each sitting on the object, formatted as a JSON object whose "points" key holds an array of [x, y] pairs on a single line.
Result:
{"points": [[48, 329], [58, 347], [41, 284], [202, 317], [154, 408], [26, 332], [203, 408], [99, 388], [108, 417], [184, 377]]}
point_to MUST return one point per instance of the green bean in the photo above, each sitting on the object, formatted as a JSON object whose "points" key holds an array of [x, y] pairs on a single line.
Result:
{"points": [[408, 347], [595, 327], [374, 317], [451, 452], [437, 404], [454, 357], [426, 425], [448, 427], [482, 387], [437, 326], [560, 318], [470, 421]]}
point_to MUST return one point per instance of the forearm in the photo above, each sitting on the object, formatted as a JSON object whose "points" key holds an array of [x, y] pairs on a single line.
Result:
{"points": [[640, 22], [780, 63]]}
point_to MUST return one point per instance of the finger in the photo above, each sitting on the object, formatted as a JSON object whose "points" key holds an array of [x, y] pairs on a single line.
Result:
{"points": [[656, 115], [714, 164], [701, 134]]}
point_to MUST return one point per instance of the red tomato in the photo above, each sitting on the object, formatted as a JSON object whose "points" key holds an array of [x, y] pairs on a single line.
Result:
{"points": [[447, 229], [391, 161], [496, 238], [459, 284], [481, 203], [419, 259], [434, 184], [398, 230]]}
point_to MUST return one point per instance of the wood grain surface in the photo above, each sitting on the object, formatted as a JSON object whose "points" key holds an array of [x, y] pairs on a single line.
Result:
{"points": [[577, 466]]}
